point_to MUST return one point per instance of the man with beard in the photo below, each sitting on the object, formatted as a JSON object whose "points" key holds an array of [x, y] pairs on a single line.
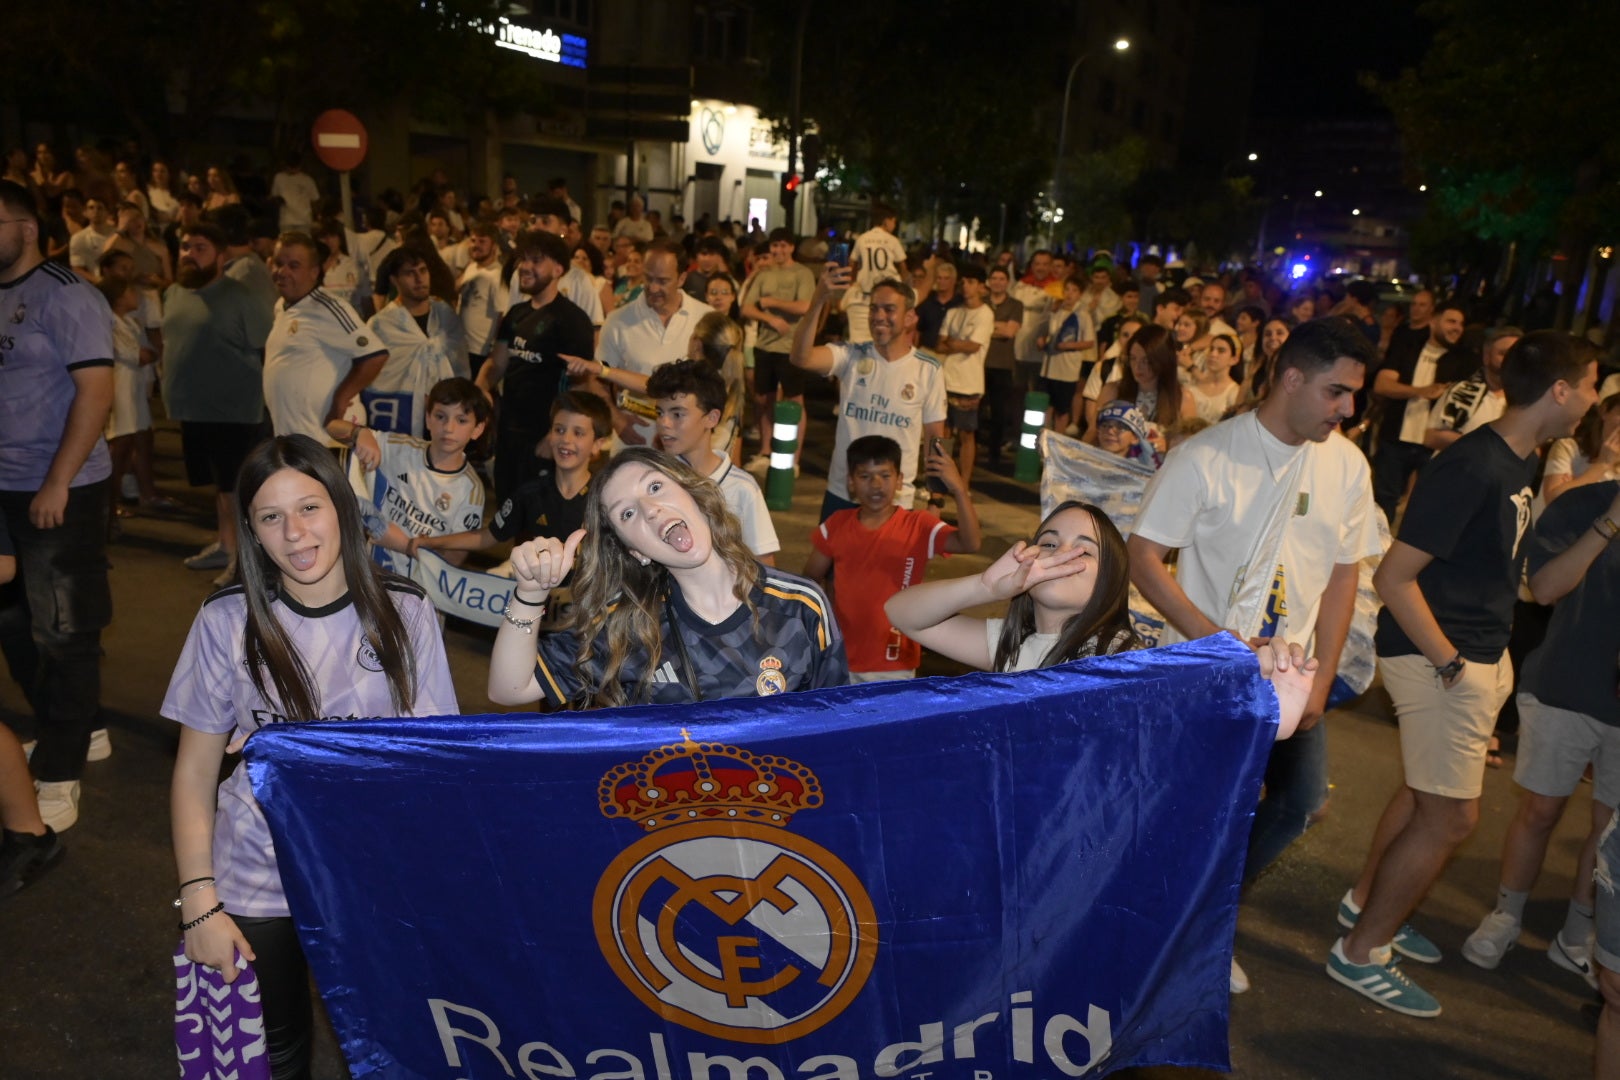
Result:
{"points": [[483, 296], [214, 330], [425, 344], [56, 388], [527, 359], [319, 355], [1410, 381]]}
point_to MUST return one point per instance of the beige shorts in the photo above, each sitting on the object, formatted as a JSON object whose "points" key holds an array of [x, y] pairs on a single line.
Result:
{"points": [[1445, 733]]}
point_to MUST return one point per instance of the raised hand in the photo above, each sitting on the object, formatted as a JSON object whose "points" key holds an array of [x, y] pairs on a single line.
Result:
{"points": [[1023, 567], [539, 566]]}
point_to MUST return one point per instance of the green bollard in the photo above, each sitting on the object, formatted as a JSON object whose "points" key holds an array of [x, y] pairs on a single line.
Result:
{"points": [[784, 444], [1027, 468]]}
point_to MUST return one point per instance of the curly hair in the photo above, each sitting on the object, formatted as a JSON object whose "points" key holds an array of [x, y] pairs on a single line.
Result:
{"points": [[1102, 626], [619, 603]]}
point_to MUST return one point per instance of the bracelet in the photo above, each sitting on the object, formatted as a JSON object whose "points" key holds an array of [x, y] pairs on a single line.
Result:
{"points": [[525, 625], [1612, 530], [1451, 668], [541, 604], [204, 917], [194, 880], [201, 883]]}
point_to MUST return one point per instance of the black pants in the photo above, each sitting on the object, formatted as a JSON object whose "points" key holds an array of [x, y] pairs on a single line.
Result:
{"points": [[514, 458], [289, 1011], [51, 624], [1002, 405], [1393, 464]]}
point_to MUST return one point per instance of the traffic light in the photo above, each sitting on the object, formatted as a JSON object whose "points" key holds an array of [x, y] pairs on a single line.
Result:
{"points": [[790, 189]]}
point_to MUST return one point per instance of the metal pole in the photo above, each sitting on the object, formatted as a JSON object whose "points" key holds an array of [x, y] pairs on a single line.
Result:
{"points": [[790, 199]]}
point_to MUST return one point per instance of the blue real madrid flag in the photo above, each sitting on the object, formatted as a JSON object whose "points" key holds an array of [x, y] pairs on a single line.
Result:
{"points": [[1025, 875]]}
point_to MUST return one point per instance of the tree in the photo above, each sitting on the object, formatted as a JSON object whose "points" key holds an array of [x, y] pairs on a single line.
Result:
{"points": [[1505, 120]]}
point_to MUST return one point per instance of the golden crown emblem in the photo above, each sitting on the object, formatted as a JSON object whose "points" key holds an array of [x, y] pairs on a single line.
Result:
{"points": [[704, 782]]}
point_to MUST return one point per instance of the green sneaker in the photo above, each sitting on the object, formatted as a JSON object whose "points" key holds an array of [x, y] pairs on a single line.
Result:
{"points": [[1382, 981], [1408, 942]]}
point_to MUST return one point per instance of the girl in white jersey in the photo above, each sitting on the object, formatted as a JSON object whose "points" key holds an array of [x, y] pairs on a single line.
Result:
{"points": [[313, 630], [1069, 594]]}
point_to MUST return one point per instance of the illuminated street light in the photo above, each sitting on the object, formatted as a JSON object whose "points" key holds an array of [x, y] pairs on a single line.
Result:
{"points": [[1122, 44], [1254, 157], [1355, 213], [1318, 193], [1423, 187]]}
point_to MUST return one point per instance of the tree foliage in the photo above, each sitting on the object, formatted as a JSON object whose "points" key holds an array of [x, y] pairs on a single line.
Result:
{"points": [[935, 105], [163, 69]]}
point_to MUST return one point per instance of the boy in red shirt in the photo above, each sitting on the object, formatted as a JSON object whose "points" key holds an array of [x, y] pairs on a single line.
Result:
{"points": [[878, 548]]}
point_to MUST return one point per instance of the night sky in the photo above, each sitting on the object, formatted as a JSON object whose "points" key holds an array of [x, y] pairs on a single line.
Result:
{"points": [[1311, 54]]}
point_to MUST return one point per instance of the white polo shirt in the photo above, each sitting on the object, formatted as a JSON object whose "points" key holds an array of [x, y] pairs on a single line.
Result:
{"points": [[313, 344], [747, 504], [1213, 494], [636, 338]]}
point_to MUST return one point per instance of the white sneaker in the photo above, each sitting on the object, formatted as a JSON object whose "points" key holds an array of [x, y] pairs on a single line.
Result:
{"points": [[28, 748], [58, 803], [1576, 958], [129, 489], [1498, 932], [100, 746], [1239, 983], [212, 557]]}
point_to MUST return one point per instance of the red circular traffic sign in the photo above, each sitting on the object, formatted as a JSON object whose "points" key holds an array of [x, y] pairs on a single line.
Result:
{"points": [[339, 139]]}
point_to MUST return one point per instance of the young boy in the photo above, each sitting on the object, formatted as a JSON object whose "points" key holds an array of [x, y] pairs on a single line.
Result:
{"points": [[432, 488], [877, 549], [691, 398], [1067, 341], [963, 343], [553, 503]]}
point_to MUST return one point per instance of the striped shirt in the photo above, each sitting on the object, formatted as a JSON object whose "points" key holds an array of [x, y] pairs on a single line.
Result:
{"points": [[313, 344], [795, 646]]}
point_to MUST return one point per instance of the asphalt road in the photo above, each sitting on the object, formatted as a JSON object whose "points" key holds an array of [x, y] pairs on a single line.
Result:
{"points": [[86, 985]]}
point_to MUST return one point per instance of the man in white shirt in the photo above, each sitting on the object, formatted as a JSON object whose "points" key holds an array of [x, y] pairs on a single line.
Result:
{"points": [[645, 334], [86, 245], [885, 387], [1478, 399], [294, 191], [1272, 513], [1212, 300], [1100, 301], [425, 344], [319, 355], [558, 189], [963, 342], [483, 296], [1410, 381], [454, 253], [635, 224], [877, 256]]}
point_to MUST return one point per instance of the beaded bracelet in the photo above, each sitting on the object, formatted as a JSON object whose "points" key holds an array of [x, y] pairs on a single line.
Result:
{"points": [[204, 917], [525, 625]]}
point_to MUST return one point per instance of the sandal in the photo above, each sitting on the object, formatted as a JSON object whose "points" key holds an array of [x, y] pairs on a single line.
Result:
{"points": [[1493, 754]]}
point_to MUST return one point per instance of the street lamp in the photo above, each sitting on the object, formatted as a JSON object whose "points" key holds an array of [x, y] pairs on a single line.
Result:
{"points": [[1254, 157], [1120, 45]]}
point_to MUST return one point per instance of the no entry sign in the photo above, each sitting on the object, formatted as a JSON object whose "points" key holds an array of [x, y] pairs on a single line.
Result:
{"points": [[339, 139]]}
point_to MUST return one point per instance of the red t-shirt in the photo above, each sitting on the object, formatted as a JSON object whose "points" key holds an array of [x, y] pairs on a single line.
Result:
{"points": [[871, 565]]}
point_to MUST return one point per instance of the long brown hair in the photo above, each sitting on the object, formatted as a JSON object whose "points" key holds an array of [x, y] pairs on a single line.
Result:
{"points": [[1156, 345], [266, 642], [619, 603], [1104, 623]]}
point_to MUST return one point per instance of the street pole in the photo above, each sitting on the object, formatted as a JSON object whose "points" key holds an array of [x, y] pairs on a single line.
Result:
{"points": [[790, 198], [1120, 45]]}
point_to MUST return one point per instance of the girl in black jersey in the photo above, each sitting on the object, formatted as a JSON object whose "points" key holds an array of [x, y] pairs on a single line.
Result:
{"points": [[669, 606]]}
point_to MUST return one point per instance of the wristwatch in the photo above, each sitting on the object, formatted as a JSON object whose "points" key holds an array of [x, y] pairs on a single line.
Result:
{"points": [[1452, 668]]}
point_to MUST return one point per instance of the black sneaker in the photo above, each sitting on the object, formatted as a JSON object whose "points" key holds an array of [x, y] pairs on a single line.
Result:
{"points": [[23, 857]]}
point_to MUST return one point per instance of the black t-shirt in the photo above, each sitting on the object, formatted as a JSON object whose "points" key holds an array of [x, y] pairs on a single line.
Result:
{"points": [[1575, 667], [536, 339], [1470, 510], [931, 319], [794, 645], [537, 508]]}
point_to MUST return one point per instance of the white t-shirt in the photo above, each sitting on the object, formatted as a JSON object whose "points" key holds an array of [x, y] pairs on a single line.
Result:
{"points": [[1564, 458], [1213, 408], [85, 248], [883, 397], [1415, 418], [636, 338], [422, 500], [1211, 499], [964, 372], [483, 301], [879, 254], [298, 195], [1037, 306], [312, 345], [746, 502], [396, 400], [455, 256], [1031, 651]]}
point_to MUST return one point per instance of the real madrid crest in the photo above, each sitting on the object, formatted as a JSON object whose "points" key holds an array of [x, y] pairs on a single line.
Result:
{"points": [[443, 502], [771, 680], [20, 313], [908, 392]]}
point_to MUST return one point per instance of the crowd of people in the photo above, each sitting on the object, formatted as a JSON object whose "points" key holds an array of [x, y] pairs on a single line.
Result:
{"points": [[602, 397]]}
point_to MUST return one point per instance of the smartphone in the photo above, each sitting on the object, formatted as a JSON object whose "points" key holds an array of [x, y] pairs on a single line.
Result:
{"points": [[838, 253], [946, 447]]}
